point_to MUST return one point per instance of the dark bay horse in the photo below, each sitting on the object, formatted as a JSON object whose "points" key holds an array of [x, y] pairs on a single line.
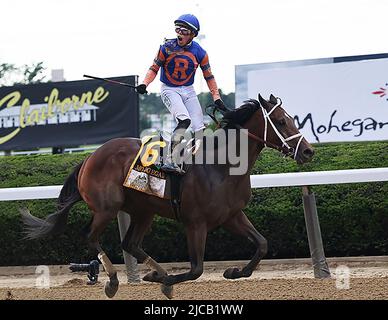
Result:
{"points": [[210, 196]]}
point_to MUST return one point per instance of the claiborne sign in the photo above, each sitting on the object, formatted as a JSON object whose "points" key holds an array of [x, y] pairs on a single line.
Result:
{"points": [[66, 114], [331, 100]]}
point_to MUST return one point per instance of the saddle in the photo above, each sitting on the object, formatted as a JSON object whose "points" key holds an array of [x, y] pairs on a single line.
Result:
{"points": [[145, 176]]}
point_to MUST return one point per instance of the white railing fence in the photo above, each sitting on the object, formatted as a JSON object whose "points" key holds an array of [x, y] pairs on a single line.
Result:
{"points": [[303, 179], [257, 181]]}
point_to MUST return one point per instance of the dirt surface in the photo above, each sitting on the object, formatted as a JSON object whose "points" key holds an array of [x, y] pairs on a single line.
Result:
{"points": [[368, 279]]}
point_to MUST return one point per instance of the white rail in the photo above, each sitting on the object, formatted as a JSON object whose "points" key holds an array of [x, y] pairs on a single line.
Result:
{"points": [[29, 193], [319, 177], [304, 179], [257, 181]]}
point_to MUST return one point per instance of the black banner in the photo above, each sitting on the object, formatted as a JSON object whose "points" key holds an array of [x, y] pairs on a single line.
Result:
{"points": [[70, 113]]}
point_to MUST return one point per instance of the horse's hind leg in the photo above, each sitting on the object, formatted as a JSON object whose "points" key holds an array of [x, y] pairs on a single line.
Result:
{"points": [[240, 225], [99, 223], [132, 244]]}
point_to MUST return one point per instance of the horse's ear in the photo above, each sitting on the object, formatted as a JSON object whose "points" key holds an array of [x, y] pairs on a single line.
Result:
{"points": [[263, 102], [273, 99]]}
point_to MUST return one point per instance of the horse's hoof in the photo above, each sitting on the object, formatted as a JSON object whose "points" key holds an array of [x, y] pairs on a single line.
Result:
{"points": [[232, 273], [111, 286], [110, 290], [246, 274], [151, 276], [168, 291], [169, 280]]}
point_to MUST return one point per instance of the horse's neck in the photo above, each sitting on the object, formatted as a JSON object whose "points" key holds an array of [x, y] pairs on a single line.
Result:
{"points": [[247, 150], [254, 126], [254, 147]]}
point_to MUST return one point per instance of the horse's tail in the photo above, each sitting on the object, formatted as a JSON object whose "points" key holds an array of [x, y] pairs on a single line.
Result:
{"points": [[54, 223]]}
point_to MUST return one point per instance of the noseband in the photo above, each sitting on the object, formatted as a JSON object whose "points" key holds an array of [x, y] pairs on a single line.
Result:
{"points": [[289, 151], [285, 149]]}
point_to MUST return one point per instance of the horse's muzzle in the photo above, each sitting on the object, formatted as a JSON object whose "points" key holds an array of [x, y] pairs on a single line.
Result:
{"points": [[305, 155]]}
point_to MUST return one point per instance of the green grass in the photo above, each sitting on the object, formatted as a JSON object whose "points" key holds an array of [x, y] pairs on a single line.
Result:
{"points": [[353, 217]]}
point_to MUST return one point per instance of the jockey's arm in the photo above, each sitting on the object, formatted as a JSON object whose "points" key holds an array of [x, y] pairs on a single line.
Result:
{"points": [[209, 77], [153, 70]]}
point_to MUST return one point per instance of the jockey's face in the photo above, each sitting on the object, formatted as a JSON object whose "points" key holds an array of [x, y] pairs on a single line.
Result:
{"points": [[183, 35]]}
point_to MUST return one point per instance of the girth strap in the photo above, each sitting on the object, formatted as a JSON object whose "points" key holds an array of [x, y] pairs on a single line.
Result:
{"points": [[176, 181]]}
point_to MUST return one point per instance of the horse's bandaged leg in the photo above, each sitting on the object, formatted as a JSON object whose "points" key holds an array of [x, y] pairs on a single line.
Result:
{"points": [[108, 266], [154, 265]]}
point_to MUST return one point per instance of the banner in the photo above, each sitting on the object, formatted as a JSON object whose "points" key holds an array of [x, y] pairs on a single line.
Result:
{"points": [[330, 102], [65, 114]]}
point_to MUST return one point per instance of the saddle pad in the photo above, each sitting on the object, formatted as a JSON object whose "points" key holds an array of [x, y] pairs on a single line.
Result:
{"points": [[144, 175]]}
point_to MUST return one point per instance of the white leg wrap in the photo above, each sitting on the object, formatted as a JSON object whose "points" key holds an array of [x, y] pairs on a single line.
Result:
{"points": [[108, 266], [154, 265]]}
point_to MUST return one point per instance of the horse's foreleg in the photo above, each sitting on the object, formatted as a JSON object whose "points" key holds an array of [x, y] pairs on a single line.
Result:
{"points": [[240, 225], [196, 240]]}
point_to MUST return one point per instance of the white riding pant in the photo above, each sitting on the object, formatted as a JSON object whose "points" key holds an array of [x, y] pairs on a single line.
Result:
{"points": [[182, 102]]}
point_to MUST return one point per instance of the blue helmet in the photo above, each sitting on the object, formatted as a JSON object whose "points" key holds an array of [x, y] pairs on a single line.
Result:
{"points": [[189, 21]]}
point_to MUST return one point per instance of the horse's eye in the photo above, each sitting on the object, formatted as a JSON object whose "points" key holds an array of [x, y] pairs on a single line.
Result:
{"points": [[282, 122]]}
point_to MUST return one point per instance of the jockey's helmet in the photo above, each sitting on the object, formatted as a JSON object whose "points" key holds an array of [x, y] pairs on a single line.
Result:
{"points": [[189, 21]]}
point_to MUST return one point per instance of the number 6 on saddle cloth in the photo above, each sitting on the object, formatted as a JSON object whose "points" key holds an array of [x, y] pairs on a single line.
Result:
{"points": [[144, 174]]}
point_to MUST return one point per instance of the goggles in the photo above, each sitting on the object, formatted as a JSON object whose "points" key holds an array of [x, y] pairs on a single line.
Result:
{"points": [[182, 31]]}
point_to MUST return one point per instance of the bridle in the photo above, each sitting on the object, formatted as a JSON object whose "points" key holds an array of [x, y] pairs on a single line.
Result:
{"points": [[285, 149]]}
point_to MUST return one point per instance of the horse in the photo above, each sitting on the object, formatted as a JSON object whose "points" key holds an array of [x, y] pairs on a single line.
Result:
{"points": [[210, 196]]}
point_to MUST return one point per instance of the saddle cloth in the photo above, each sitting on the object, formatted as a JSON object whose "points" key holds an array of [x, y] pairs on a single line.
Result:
{"points": [[144, 174]]}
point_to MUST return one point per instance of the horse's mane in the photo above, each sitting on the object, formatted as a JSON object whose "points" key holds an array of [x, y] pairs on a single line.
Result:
{"points": [[241, 114], [238, 116]]}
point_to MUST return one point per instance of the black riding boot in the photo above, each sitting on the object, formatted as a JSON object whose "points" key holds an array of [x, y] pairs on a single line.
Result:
{"points": [[172, 167], [169, 166]]}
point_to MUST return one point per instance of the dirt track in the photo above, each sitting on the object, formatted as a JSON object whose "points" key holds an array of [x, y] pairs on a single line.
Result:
{"points": [[368, 280]]}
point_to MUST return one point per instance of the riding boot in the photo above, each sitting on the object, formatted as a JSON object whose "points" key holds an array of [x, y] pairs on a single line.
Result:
{"points": [[169, 166]]}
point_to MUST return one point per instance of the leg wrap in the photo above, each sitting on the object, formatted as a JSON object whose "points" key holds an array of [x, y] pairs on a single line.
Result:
{"points": [[108, 266], [154, 265]]}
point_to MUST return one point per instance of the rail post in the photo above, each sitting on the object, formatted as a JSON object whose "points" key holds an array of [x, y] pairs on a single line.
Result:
{"points": [[320, 266], [124, 220]]}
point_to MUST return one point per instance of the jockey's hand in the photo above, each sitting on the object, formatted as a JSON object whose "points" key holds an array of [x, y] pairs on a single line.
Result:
{"points": [[141, 88], [220, 104]]}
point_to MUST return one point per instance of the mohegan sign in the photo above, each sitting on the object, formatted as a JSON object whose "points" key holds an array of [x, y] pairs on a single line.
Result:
{"points": [[66, 114], [331, 102]]}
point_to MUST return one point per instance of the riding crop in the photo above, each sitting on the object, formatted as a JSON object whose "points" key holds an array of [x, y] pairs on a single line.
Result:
{"points": [[111, 81]]}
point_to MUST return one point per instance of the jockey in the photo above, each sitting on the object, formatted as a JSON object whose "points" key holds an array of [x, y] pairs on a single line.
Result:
{"points": [[179, 59]]}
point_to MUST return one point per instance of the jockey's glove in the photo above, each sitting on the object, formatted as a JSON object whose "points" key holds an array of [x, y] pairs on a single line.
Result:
{"points": [[141, 89], [220, 104]]}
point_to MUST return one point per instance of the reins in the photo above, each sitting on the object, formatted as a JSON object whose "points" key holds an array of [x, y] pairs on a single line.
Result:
{"points": [[285, 149], [261, 140]]}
